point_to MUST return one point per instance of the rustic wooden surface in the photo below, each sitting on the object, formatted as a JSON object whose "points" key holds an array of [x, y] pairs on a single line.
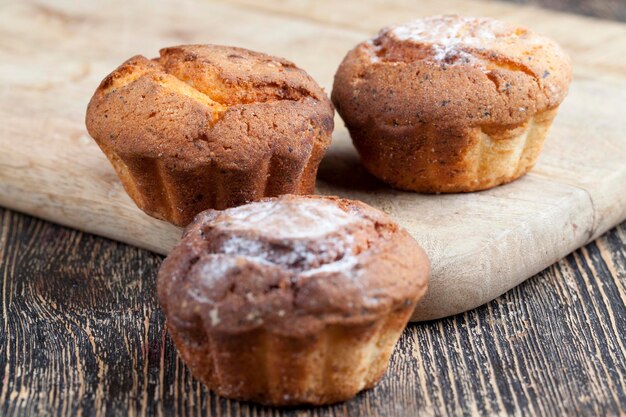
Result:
{"points": [[82, 335], [606, 9], [480, 244]]}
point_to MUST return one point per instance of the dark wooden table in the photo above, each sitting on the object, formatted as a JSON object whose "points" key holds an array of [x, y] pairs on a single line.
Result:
{"points": [[82, 333]]}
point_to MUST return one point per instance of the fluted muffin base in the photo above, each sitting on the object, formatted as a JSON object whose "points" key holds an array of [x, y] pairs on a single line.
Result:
{"points": [[327, 367], [176, 194], [426, 159]]}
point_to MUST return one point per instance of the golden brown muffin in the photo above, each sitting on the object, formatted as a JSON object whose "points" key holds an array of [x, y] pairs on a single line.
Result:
{"points": [[451, 104], [208, 126], [291, 300]]}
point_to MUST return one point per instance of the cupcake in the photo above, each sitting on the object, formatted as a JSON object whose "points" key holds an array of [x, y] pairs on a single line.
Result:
{"points": [[206, 126], [450, 103], [291, 300]]}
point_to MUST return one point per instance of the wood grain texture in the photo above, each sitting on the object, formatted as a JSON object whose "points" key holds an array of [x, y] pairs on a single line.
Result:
{"points": [[82, 334], [480, 244], [606, 9]]}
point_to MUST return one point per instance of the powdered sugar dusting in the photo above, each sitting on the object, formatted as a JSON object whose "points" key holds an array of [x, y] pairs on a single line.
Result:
{"points": [[235, 245], [449, 36], [298, 234], [298, 254], [344, 264], [214, 316], [215, 266], [371, 51], [284, 219]]}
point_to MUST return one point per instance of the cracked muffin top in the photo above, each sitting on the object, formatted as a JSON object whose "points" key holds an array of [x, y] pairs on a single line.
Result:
{"points": [[199, 104], [452, 70], [291, 264]]}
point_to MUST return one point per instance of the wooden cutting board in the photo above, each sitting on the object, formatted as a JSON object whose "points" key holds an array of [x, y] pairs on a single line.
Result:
{"points": [[54, 53]]}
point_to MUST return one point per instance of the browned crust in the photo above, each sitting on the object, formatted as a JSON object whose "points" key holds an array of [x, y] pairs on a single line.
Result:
{"points": [[206, 126], [283, 320], [263, 274], [421, 113]]}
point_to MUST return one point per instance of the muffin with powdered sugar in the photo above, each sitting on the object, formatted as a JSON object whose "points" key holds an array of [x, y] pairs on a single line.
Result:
{"points": [[291, 300], [450, 103]]}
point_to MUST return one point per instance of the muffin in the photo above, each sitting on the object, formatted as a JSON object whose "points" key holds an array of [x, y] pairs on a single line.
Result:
{"points": [[207, 126], [449, 103], [291, 300]]}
